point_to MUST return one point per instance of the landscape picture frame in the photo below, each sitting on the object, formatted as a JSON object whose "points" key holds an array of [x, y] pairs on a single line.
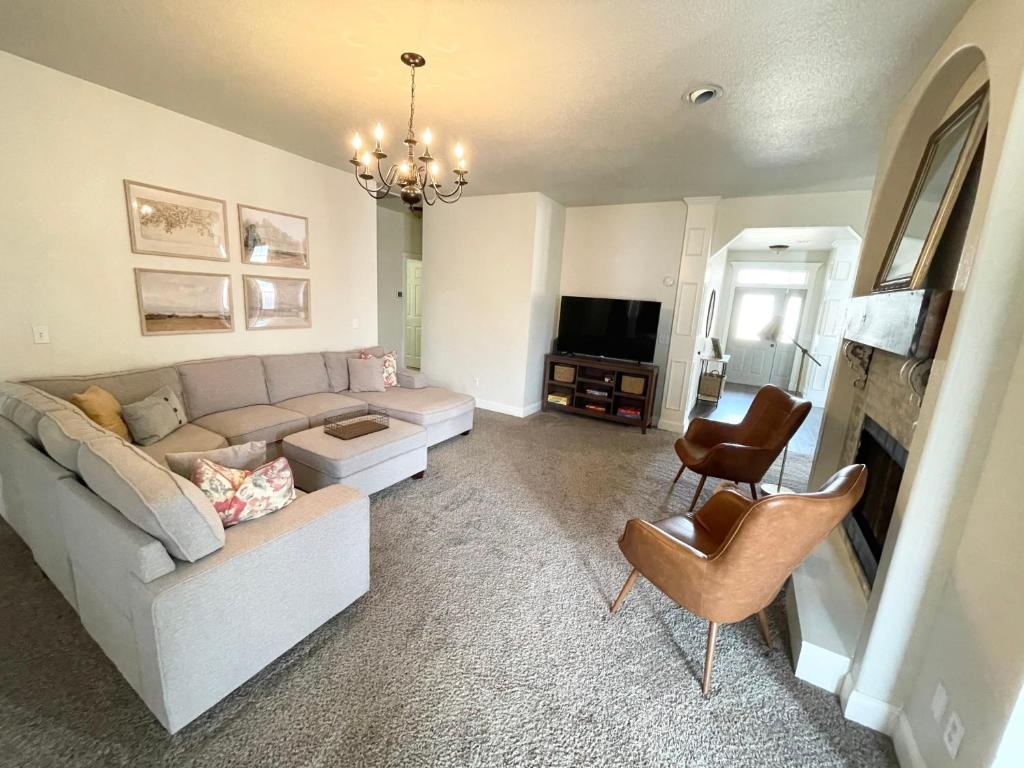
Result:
{"points": [[289, 299], [273, 238], [173, 302], [898, 272], [168, 222]]}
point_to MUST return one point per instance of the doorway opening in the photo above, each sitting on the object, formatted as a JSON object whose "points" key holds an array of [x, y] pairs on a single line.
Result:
{"points": [[399, 281], [778, 318]]}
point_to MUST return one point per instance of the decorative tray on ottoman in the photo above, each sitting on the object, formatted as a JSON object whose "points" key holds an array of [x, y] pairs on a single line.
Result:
{"points": [[347, 427]]}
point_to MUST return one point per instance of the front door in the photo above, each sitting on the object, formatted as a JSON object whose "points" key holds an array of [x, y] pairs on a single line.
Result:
{"points": [[413, 312], [761, 331]]}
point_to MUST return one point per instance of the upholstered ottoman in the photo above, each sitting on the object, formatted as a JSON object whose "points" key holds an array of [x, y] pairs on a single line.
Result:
{"points": [[368, 463]]}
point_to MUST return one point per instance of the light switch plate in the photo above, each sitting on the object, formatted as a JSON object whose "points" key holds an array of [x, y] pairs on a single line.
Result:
{"points": [[41, 334], [953, 734], [940, 700]]}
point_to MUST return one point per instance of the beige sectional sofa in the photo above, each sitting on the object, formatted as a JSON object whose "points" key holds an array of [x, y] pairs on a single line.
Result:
{"points": [[186, 610]]}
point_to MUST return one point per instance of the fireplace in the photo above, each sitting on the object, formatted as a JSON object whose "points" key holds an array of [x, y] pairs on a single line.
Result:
{"points": [[868, 524]]}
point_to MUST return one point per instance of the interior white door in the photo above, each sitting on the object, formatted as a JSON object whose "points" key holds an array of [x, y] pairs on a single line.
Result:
{"points": [[413, 312], [757, 361]]}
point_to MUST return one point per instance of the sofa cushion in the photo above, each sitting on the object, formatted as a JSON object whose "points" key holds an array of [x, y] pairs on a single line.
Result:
{"points": [[254, 422], [428, 405], [167, 507], [126, 386], [244, 456], [337, 369], [323, 404], [187, 437], [62, 431], [155, 417], [290, 376], [25, 405], [212, 386]]}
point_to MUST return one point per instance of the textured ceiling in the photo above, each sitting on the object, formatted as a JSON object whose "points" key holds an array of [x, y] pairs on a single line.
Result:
{"points": [[579, 100]]}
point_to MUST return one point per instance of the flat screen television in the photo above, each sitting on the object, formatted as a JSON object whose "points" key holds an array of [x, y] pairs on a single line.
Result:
{"points": [[619, 328]]}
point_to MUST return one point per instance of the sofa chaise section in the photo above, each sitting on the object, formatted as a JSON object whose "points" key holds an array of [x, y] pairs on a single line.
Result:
{"points": [[442, 412]]}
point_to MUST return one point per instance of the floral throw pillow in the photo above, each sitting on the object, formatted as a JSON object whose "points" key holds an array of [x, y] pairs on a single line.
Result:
{"points": [[390, 367], [239, 494]]}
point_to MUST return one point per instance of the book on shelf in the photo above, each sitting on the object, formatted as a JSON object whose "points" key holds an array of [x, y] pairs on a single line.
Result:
{"points": [[595, 408], [558, 399], [628, 412], [596, 392]]}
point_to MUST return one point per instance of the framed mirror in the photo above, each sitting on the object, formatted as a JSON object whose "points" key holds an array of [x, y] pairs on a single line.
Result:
{"points": [[940, 175]]}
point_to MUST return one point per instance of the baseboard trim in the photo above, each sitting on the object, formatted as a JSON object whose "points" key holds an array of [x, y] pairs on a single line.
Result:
{"points": [[907, 752], [508, 410], [868, 711], [669, 425]]}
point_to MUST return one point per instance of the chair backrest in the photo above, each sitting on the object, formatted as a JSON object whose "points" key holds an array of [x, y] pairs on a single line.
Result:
{"points": [[773, 418], [771, 539]]}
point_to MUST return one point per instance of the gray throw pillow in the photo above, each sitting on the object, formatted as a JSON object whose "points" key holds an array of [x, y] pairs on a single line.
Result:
{"points": [[245, 456], [155, 417], [366, 375]]}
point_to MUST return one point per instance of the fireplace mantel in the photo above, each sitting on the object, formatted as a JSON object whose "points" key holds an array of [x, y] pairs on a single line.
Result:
{"points": [[905, 323]]}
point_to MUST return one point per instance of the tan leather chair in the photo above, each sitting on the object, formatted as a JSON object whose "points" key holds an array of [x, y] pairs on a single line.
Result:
{"points": [[729, 561], [742, 452]]}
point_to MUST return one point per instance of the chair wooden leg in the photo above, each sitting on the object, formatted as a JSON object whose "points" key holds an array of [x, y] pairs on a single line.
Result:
{"points": [[753, 492], [630, 581], [700, 487], [709, 657], [762, 622], [679, 474]]}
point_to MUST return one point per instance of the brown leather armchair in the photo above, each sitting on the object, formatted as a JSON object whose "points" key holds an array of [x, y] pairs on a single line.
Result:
{"points": [[742, 452], [729, 561]]}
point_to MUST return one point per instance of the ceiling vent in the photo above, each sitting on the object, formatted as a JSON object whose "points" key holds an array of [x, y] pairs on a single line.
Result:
{"points": [[704, 94]]}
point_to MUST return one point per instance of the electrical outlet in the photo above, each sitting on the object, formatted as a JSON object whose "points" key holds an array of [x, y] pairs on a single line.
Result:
{"points": [[476, 381], [940, 700], [953, 734], [41, 334], [355, 322]]}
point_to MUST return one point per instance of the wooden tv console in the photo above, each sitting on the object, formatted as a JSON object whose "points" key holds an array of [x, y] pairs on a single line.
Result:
{"points": [[607, 386]]}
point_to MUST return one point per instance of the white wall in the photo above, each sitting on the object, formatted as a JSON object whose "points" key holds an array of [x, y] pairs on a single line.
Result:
{"points": [[820, 209], [627, 251], [399, 233], [65, 147], [480, 259]]}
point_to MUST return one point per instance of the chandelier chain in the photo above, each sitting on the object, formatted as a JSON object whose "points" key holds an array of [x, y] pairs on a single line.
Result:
{"points": [[412, 101]]}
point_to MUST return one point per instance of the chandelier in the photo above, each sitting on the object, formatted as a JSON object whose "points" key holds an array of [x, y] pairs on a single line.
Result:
{"points": [[417, 178]]}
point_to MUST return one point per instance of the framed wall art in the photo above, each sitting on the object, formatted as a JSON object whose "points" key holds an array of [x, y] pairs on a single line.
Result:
{"points": [[272, 238], [940, 176], [276, 302], [166, 222], [183, 302]]}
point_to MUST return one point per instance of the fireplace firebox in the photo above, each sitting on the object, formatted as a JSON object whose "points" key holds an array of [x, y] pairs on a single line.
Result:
{"points": [[867, 525]]}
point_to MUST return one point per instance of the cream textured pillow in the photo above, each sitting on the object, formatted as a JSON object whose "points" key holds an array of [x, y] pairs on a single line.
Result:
{"points": [[103, 408], [366, 374], [155, 417], [246, 456]]}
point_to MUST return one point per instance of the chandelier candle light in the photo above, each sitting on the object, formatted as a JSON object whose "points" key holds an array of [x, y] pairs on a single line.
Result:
{"points": [[415, 177]]}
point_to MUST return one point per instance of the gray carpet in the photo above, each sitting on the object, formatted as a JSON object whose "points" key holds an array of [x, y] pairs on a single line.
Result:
{"points": [[485, 640]]}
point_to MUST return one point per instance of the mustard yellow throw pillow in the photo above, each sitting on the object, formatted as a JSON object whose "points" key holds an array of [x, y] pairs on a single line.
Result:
{"points": [[103, 408]]}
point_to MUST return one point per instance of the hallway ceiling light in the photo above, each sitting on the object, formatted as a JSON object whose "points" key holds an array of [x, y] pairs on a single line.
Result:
{"points": [[416, 177]]}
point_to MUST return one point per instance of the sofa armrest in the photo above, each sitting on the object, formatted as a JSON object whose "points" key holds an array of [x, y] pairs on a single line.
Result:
{"points": [[411, 379]]}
